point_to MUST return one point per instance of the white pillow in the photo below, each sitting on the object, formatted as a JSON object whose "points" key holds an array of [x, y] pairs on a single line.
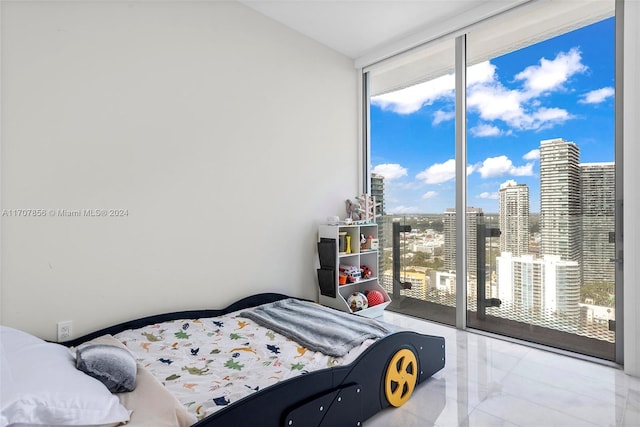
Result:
{"points": [[41, 386]]}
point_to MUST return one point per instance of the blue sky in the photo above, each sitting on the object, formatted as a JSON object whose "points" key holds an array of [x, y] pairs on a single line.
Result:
{"points": [[559, 88]]}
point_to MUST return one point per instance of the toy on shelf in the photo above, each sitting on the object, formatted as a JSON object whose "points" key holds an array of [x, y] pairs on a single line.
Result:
{"points": [[373, 245], [374, 298], [366, 243], [342, 242], [366, 272], [352, 272], [362, 210], [342, 279], [357, 301]]}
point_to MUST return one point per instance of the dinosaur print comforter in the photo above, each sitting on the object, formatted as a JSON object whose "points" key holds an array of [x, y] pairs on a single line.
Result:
{"points": [[210, 363]]}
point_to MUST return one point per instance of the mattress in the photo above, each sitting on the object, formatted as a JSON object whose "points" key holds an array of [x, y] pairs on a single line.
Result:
{"points": [[209, 363]]}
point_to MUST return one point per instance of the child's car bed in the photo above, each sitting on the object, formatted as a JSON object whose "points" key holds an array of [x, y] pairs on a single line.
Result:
{"points": [[267, 360]]}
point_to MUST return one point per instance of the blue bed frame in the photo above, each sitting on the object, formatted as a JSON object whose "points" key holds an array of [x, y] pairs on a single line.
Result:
{"points": [[339, 396]]}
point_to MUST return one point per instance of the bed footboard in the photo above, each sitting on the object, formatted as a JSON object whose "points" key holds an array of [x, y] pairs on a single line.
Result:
{"points": [[384, 375]]}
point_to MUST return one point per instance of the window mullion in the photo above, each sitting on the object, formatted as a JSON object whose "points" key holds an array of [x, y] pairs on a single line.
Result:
{"points": [[461, 181]]}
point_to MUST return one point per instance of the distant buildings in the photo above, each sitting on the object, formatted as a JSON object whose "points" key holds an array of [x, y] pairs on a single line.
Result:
{"points": [[539, 283], [443, 281], [560, 203], [377, 191], [474, 215], [576, 215], [513, 207], [598, 220], [418, 282], [546, 285]]}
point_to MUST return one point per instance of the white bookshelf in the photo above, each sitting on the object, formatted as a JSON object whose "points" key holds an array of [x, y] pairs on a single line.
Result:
{"points": [[333, 294]]}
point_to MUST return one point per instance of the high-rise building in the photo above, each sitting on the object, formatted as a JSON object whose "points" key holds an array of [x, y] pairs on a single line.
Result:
{"points": [[598, 220], [474, 215], [560, 204], [449, 229], [443, 282], [513, 207], [520, 281], [561, 286], [377, 191], [539, 285]]}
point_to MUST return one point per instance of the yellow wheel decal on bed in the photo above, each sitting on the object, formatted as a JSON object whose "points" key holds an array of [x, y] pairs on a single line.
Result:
{"points": [[401, 377]]}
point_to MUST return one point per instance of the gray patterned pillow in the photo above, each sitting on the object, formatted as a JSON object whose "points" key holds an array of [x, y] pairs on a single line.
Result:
{"points": [[115, 367]]}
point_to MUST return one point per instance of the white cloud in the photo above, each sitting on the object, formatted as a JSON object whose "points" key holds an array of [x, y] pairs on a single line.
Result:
{"points": [[438, 172], [525, 170], [484, 72], [495, 102], [550, 114], [551, 75], [484, 129], [597, 96], [545, 118], [403, 209], [532, 155], [411, 99], [441, 172], [443, 116], [502, 165], [495, 166], [429, 194], [486, 195], [390, 171], [519, 108]]}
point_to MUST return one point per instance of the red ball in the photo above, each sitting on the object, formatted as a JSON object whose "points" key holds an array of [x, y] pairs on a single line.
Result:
{"points": [[374, 298]]}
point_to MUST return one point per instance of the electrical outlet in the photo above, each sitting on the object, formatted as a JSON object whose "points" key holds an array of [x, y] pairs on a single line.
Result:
{"points": [[64, 330]]}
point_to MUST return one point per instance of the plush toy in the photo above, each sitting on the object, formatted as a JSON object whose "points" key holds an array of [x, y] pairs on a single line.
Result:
{"points": [[362, 208], [353, 210], [357, 301], [374, 298]]}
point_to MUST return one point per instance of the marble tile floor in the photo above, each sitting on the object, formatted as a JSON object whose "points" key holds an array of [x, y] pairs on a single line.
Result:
{"points": [[493, 382]]}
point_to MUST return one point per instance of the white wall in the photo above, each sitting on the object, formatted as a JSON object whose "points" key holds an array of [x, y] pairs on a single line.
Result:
{"points": [[631, 136], [226, 136]]}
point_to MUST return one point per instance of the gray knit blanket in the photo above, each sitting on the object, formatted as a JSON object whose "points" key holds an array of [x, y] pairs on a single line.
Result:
{"points": [[317, 328]]}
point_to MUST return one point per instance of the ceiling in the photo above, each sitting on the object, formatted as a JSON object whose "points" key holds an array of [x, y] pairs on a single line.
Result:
{"points": [[357, 28]]}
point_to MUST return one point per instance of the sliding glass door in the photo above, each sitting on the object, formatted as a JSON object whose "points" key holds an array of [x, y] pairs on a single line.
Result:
{"points": [[412, 134], [540, 195], [540, 137]]}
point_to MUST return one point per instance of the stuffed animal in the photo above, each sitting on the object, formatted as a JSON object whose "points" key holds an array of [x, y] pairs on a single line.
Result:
{"points": [[353, 210]]}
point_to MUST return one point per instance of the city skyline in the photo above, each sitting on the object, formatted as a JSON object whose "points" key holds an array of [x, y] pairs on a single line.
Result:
{"points": [[559, 88], [513, 218], [560, 277]]}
